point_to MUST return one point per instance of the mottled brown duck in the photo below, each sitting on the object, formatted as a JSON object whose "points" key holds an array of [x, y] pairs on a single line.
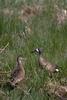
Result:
{"points": [[18, 73]]}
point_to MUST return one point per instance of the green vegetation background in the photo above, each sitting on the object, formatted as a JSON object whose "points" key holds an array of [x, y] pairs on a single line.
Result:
{"points": [[45, 33]]}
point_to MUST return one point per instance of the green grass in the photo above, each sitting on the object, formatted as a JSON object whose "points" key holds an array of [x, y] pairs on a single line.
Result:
{"points": [[45, 33]]}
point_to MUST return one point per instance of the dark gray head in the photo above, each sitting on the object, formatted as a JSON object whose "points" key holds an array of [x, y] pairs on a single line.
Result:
{"points": [[38, 51]]}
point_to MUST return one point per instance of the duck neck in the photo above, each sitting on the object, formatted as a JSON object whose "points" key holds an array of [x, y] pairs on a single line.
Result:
{"points": [[20, 64], [39, 54]]}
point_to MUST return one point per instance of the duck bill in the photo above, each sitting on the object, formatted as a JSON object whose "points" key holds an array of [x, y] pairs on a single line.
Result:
{"points": [[33, 51]]}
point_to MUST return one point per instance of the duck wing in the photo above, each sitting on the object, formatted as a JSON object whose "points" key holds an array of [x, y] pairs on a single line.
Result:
{"points": [[15, 72]]}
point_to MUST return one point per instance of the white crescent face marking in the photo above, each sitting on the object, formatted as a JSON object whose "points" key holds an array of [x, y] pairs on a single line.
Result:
{"points": [[37, 50]]}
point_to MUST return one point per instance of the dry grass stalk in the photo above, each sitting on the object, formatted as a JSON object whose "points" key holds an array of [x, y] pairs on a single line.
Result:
{"points": [[3, 49]]}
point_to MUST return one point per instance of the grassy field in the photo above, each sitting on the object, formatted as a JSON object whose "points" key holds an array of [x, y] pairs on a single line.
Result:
{"points": [[23, 33]]}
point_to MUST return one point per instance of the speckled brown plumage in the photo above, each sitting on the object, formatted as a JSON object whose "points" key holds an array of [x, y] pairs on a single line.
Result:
{"points": [[18, 74]]}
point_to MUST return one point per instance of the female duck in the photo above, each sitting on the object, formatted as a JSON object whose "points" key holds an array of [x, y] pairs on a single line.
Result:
{"points": [[18, 73]]}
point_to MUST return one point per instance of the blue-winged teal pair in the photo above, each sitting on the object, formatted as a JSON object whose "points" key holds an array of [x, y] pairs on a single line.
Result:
{"points": [[18, 73]]}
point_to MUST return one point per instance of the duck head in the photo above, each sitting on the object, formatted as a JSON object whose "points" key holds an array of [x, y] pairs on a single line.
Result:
{"points": [[19, 59], [38, 51]]}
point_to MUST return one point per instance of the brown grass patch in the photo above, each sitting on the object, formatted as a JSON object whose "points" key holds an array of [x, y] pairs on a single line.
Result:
{"points": [[28, 11], [57, 89], [61, 15]]}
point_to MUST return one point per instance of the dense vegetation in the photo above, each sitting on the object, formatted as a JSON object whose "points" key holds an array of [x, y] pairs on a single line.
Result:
{"points": [[23, 34]]}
